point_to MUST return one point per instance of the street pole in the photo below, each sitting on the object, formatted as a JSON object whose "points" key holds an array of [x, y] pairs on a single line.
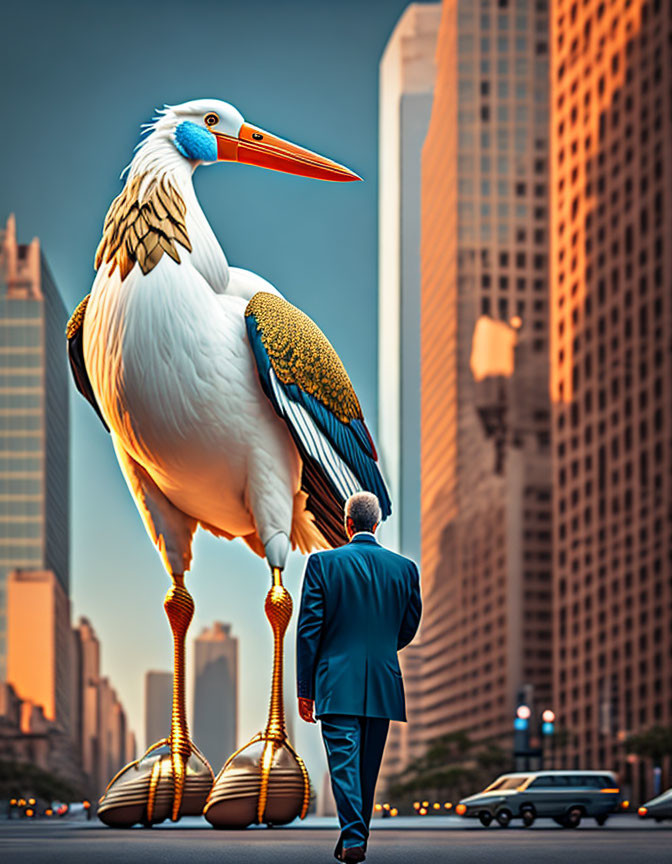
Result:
{"points": [[547, 730]]}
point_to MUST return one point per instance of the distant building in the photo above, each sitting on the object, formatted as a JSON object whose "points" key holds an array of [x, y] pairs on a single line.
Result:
{"points": [[27, 736], [131, 746], [113, 735], [104, 740], [215, 715], [407, 74], [39, 647], [158, 706], [34, 421], [485, 415], [611, 379], [326, 805], [86, 676]]}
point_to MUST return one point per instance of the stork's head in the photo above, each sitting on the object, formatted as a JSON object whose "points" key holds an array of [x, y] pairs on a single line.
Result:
{"points": [[209, 130]]}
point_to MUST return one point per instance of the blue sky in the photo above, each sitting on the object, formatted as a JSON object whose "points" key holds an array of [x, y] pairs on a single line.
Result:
{"points": [[79, 79]]}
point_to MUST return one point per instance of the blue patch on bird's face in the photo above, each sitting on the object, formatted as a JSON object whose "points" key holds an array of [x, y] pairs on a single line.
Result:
{"points": [[195, 142]]}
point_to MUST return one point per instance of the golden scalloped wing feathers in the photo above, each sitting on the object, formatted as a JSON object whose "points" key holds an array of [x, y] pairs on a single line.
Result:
{"points": [[141, 231], [308, 387], [301, 355], [77, 318]]}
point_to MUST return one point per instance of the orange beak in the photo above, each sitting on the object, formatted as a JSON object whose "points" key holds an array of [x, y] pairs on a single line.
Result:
{"points": [[255, 146]]}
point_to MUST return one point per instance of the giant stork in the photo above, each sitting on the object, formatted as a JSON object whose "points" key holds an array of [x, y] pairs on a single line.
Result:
{"points": [[228, 408]]}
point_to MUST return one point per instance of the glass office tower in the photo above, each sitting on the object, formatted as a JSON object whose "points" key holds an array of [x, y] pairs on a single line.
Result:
{"points": [[34, 421]]}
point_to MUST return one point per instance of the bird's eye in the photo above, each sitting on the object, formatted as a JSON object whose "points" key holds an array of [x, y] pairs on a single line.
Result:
{"points": [[211, 119], [257, 136]]}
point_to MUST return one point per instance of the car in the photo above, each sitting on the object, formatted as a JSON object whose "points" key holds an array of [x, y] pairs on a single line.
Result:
{"points": [[565, 796], [657, 808]]}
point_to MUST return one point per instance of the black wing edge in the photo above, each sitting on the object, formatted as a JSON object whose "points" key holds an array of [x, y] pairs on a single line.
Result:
{"points": [[76, 357]]}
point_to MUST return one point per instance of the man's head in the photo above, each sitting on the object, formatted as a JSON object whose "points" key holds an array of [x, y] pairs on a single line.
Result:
{"points": [[362, 513]]}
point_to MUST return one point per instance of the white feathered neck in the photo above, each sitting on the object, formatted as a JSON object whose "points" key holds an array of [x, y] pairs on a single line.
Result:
{"points": [[157, 158]]}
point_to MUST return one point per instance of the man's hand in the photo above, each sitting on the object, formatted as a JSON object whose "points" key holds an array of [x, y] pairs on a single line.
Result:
{"points": [[306, 708]]}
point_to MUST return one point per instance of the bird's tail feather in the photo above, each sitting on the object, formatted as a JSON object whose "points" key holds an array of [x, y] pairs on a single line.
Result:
{"points": [[305, 533]]}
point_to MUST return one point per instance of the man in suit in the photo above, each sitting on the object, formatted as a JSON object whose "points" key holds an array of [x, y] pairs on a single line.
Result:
{"points": [[360, 604]]}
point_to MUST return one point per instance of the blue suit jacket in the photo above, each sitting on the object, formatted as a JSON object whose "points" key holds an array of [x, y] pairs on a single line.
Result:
{"points": [[360, 604]]}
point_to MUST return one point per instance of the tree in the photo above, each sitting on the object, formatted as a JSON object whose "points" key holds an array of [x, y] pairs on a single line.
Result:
{"points": [[452, 766], [654, 744], [17, 779]]}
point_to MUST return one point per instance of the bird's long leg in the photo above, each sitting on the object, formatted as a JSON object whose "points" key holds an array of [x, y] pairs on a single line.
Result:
{"points": [[226, 803], [278, 608], [139, 791], [179, 607]]}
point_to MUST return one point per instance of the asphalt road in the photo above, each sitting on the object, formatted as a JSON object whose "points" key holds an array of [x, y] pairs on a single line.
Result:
{"points": [[70, 842]]}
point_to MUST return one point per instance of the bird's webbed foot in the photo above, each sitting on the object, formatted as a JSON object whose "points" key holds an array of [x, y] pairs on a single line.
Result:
{"points": [[167, 782]]}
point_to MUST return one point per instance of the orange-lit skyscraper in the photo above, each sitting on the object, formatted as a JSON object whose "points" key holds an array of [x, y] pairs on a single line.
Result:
{"points": [[486, 502], [611, 363], [34, 421], [39, 643]]}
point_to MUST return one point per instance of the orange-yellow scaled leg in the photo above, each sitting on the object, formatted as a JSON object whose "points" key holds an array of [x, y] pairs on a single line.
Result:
{"points": [[278, 608], [179, 608]]}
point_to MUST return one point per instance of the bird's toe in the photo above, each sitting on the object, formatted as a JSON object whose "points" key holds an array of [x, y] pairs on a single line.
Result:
{"points": [[158, 786]]}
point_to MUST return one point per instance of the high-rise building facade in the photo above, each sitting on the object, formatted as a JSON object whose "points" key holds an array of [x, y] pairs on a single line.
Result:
{"points": [[114, 740], [39, 643], [158, 705], [102, 734], [485, 456], [34, 421], [611, 365], [215, 715], [86, 678], [407, 73]]}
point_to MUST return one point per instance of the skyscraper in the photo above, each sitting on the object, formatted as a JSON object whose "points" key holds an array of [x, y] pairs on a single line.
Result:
{"points": [[485, 456], [34, 421], [39, 646], [113, 735], [101, 731], [86, 675], [215, 717], [407, 73], [158, 705], [611, 365]]}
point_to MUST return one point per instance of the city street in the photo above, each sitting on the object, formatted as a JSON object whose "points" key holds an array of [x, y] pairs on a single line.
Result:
{"points": [[401, 841]]}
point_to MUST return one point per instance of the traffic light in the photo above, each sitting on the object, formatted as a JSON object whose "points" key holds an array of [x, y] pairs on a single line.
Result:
{"points": [[548, 722], [522, 718]]}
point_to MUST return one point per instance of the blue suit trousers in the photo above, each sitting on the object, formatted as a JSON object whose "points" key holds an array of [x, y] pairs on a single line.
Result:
{"points": [[354, 748]]}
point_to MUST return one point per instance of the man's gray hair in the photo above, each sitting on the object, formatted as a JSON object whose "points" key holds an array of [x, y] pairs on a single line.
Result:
{"points": [[364, 510]]}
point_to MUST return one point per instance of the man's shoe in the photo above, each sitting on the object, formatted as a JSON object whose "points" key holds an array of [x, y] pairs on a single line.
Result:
{"points": [[353, 854]]}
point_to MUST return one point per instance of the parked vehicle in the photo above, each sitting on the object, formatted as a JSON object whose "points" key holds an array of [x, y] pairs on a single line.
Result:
{"points": [[658, 808], [565, 796]]}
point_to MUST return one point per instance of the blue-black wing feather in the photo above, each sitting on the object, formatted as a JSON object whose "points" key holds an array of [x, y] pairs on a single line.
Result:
{"points": [[350, 440]]}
